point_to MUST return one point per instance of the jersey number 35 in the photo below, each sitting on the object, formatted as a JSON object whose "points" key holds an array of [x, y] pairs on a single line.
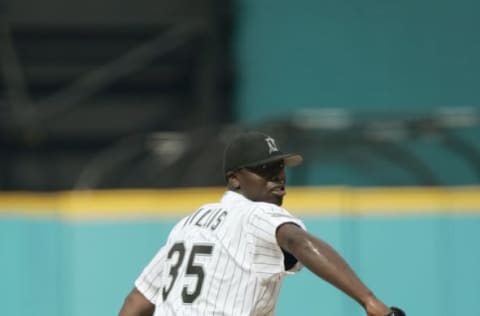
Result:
{"points": [[192, 269]]}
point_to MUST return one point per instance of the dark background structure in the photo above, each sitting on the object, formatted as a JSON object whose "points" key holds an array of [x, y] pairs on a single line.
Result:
{"points": [[79, 79], [144, 95]]}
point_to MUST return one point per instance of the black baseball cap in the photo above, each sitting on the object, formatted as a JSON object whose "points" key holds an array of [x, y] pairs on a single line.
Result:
{"points": [[252, 149]]}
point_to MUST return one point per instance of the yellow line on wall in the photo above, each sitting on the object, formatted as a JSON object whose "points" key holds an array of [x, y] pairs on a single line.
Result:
{"points": [[300, 200], [406, 200]]}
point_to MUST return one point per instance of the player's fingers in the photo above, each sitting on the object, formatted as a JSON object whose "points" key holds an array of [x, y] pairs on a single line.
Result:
{"points": [[395, 311]]}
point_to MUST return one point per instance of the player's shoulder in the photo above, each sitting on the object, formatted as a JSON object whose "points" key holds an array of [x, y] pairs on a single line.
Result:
{"points": [[209, 206], [240, 203], [266, 207], [273, 214], [181, 223]]}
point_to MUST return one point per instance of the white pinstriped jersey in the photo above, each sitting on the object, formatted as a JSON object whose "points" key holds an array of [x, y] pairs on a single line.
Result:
{"points": [[221, 260]]}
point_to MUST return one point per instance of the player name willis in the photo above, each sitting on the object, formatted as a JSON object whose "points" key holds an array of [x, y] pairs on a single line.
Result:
{"points": [[207, 218]]}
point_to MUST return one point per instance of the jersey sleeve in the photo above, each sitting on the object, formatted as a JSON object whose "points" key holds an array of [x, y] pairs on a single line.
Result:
{"points": [[149, 281], [268, 257]]}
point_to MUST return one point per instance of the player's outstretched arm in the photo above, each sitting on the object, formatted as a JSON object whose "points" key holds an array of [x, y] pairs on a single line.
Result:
{"points": [[324, 261], [136, 304]]}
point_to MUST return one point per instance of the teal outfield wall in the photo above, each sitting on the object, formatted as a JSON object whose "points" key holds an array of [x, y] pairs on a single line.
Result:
{"points": [[427, 264], [357, 55], [323, 63]]}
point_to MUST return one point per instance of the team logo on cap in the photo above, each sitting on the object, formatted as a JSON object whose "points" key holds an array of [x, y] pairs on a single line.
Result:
{"points": [[271, 145]]}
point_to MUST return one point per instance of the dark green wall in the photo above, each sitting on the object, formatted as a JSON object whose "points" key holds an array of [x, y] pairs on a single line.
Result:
{"points": [[358, 55], [408, 58]]}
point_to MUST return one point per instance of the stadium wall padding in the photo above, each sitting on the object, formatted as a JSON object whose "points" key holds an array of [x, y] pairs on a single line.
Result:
{"points": [[387, 58], [57, 262], [388, 55]]}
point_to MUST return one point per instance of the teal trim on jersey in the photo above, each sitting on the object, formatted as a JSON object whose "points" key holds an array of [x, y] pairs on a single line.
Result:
{"points": [[53, 267]]}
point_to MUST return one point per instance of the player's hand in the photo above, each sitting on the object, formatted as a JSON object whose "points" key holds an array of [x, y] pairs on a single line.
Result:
{"points": [[396, 312]]}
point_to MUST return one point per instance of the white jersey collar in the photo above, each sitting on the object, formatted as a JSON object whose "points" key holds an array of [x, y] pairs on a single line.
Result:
{"points": [[233, 197]]}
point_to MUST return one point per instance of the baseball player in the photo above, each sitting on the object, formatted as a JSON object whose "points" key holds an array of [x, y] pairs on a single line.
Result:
{"points": [[229, 258]]}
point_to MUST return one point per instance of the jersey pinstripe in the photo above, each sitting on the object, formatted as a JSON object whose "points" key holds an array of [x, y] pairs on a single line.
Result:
{"points": [[221, 260]]}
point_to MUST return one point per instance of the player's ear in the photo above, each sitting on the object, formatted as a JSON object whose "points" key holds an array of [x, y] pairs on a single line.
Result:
{"points": [[233, 181]]}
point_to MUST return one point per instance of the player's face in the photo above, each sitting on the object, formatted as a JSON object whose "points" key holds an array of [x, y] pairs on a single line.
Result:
{"points": [[264, 183]]}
